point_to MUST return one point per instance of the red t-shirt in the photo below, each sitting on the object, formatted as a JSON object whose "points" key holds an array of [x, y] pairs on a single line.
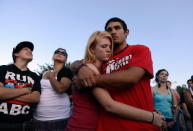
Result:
{"points": [[85, 112], [139, 95]]}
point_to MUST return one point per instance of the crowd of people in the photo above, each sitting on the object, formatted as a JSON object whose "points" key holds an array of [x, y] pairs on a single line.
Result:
{"points": [[110, 90]]}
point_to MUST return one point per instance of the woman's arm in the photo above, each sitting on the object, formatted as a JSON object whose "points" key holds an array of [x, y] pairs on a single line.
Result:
{"points": [[152, 91], [186, 112], [126, 111], [59, 86], [175, 107]]}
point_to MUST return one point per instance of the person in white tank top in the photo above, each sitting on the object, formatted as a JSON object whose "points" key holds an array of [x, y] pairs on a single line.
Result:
{"points": [[54, 108]]}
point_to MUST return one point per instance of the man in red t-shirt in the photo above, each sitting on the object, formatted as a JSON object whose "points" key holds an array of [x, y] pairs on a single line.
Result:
{"points": [[127, 77]]}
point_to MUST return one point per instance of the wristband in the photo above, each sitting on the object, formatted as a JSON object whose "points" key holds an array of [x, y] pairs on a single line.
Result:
{"points": [[79, 67]]}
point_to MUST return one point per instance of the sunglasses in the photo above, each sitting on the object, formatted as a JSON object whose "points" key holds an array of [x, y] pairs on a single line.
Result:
{"points": [[60, 53]]}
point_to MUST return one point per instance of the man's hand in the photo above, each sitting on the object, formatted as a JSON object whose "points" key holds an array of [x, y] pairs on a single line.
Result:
{"points": [[158, 119], [85, 77]]}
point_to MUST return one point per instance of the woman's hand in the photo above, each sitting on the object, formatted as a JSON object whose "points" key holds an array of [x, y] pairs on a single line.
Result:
{"points": [[171, 124], [50, 74]]}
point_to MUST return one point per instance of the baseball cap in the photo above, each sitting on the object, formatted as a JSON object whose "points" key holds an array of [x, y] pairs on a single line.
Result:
{"points": [[22, 45]]}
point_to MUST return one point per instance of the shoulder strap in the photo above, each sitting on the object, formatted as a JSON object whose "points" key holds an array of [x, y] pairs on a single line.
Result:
{"points": [[155, 89]]}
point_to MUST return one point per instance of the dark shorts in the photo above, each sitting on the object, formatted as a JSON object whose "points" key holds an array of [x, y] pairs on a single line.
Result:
{"points": [[51, 125], [175, 127], [23, 126]]}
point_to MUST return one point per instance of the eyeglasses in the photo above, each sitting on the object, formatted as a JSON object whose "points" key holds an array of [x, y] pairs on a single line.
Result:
{"points": [[60, 53]]}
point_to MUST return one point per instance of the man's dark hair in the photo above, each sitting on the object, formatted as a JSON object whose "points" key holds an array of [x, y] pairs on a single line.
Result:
{"points": [[169, 82], [116, 19], [189, 80]]}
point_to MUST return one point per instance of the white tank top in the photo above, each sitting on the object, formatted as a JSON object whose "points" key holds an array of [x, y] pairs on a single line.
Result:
{"points": [[52, 105]]}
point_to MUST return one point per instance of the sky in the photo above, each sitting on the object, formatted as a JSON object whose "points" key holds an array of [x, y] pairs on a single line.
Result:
{"points": [[165, 26]]}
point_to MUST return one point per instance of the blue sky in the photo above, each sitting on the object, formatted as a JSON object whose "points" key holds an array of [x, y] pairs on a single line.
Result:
{"points": [[165, 26]]}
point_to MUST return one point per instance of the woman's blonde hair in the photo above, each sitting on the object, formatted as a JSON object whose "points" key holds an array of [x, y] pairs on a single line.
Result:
{"points": [[89, 56]]}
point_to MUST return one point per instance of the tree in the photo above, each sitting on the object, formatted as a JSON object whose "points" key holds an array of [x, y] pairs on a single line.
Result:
{"points": [[181, 89], [43, 68], [46, 67]]}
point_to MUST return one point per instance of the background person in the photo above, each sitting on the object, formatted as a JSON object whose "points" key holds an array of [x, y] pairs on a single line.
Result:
{"points": [[54, 108], [188, 96], [165, 100], [19, 90]]}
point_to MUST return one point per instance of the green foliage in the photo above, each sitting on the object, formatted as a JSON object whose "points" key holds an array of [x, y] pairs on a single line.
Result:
{"points": [[46, 66], [68, 65], [181, 89], [43, 68]]}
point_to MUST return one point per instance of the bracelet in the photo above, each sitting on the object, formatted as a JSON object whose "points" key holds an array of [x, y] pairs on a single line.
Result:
{"points": [[152, 117], [79, 67]]}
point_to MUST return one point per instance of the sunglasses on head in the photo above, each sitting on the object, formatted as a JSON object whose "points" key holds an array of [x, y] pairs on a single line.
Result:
{"points": [[60, 53]]}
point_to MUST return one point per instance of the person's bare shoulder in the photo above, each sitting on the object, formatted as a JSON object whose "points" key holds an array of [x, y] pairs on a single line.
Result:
{"points": [[93, 67]]}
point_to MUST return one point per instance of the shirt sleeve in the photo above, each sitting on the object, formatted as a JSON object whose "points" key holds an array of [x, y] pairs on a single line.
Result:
{"points": [[2, 74], [37, 86], [142, 58], [64, 72]]}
